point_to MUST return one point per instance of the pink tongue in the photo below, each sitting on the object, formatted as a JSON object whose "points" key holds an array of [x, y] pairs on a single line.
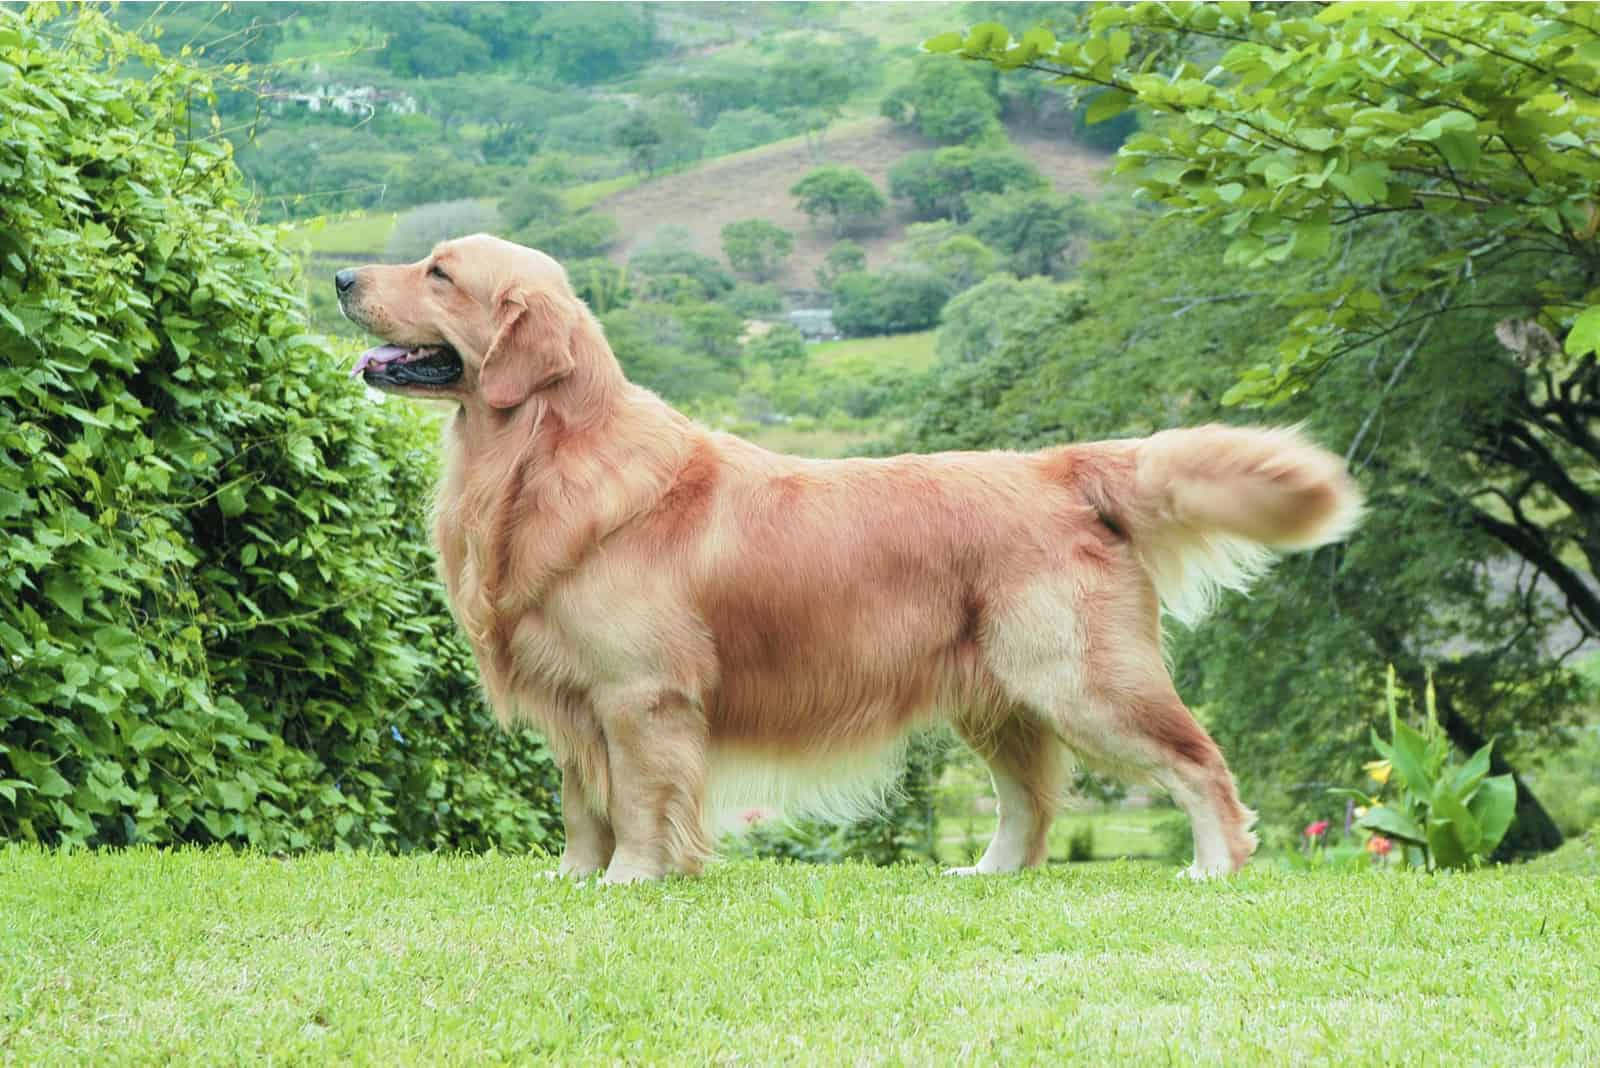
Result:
{"points": [[378, 357]]}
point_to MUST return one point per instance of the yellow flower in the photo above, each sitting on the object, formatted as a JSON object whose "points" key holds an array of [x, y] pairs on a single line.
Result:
{"points": [[1359, 811], [1378, 770]]}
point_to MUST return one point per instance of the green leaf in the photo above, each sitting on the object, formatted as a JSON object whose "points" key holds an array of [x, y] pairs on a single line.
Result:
{"points": [[1393, 824], [1107, 105], [1494, 806], [231, 500], [944, 42], [1445, 845], [1584, 337], [1470, 774], [1447, 806]]}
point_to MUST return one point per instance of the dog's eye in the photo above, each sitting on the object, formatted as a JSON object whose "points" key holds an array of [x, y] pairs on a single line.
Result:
{"points": [[438, 272]]}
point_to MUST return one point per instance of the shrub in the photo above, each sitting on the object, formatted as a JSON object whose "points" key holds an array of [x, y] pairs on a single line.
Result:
{"points": [[755, 302], [745, 128], [418, 230], [782, 346], [756, 247], [939, 183], [894, 302], [579, 237], [217, 621]]}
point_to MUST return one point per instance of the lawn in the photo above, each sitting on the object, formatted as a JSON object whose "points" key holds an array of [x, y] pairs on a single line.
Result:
{"points": [[207, 957]]}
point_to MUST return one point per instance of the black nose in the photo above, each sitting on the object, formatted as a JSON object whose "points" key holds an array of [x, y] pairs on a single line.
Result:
{"points": [[344, 280]]}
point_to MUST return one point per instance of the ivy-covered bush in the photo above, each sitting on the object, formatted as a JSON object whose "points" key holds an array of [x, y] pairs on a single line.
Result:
{"points": [[218, 616]]}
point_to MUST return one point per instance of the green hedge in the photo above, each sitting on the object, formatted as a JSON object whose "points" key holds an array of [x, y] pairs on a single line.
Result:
{"points": [[218, 615]]}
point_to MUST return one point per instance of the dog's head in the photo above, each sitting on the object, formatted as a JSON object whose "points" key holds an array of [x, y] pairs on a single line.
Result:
{"points": [[477, 319]]}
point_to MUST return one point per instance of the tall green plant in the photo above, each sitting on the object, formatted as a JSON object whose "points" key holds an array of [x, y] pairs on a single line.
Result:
{"points": [[1447, 816], [217, 616]]}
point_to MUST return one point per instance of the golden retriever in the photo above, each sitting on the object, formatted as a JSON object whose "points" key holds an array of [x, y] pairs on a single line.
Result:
{"points": [[680, 611]]}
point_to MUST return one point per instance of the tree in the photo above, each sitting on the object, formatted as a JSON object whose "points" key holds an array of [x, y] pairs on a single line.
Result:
{"points": [[842, 259], [947, 101], [843, 193], [1032, 228], [641, 139], [588, 43], [1463, 139], [939, 184], [1470, 114], [671, 271], [756, 247], [995, 312]]}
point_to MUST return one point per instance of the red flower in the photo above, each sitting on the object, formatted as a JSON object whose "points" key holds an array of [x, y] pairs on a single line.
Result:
{"points": [[1378, 845], [1317, 829]]}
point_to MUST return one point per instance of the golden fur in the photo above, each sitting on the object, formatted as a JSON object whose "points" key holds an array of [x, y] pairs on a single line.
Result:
{"points": [[677, 608]]}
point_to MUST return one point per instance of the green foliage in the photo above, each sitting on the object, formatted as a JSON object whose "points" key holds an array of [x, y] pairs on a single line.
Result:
{"points": [[671, 271], [683, 351], [418, 230], [588, 43], [781, 346], [217, 621], [996, 312], [947, 101], [601, 284], [755, 302], [1032, 227], [534, 202], [742, 128], [574, 237], [939, 184], [844, 257], [844, 194], [1445, 816], [1324, 117], [756, 247], [897, 301]]}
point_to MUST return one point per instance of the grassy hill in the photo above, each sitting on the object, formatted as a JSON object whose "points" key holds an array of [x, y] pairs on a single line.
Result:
{"points": [[755, 185], [204, 957]]}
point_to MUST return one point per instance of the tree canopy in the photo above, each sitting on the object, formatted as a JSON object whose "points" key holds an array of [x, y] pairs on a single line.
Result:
{"points": [[1428, 171]]}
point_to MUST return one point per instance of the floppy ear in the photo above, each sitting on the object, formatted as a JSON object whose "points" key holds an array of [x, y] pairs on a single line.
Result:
{"points": [[532, 348]]}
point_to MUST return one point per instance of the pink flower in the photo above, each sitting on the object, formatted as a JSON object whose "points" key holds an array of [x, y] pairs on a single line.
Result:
{"points": [[1378, 845], [1317, 829], [754, 815]]}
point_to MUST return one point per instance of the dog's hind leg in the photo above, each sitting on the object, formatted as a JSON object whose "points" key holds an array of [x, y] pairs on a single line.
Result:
{"points": [[656, 759], [1027, 763], [1095, 676]]}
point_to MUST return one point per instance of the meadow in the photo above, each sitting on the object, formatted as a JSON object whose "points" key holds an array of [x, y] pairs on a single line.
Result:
{"points": [[197, 956]]}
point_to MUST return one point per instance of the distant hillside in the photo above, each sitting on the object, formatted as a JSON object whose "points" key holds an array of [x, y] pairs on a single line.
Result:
{"points": [[756, 184]]}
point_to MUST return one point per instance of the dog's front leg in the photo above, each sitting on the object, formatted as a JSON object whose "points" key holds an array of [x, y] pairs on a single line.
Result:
{"points": [[590, 841], [656, 756]]}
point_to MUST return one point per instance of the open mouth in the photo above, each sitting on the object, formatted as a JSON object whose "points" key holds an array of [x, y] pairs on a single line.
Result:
{"points": [[401, 365]]}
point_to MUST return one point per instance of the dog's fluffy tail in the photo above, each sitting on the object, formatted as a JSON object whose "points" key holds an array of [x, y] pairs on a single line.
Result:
{"points": [[1208, 508]]}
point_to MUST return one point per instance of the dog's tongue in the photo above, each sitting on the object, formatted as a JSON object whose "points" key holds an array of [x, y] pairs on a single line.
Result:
{"points": [[377, 358]]}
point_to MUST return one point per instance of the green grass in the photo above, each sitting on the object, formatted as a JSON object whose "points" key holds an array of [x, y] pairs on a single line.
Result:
{"points": [[908, 352], [206, 957]]}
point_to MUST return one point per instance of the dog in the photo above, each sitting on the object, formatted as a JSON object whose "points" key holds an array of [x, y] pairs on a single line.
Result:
{"points": [[680, 612]]}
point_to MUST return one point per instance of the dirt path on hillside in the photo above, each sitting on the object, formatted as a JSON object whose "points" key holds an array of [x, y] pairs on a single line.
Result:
{"points": [[756, 185]]}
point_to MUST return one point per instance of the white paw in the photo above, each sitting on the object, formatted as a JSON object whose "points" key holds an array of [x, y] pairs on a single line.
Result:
{"points": [[972, 870], [1196, 874]]}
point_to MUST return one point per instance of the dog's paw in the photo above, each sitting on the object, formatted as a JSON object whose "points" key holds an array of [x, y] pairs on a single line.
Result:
{"points": [[970, 870], [1196, 874]]}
